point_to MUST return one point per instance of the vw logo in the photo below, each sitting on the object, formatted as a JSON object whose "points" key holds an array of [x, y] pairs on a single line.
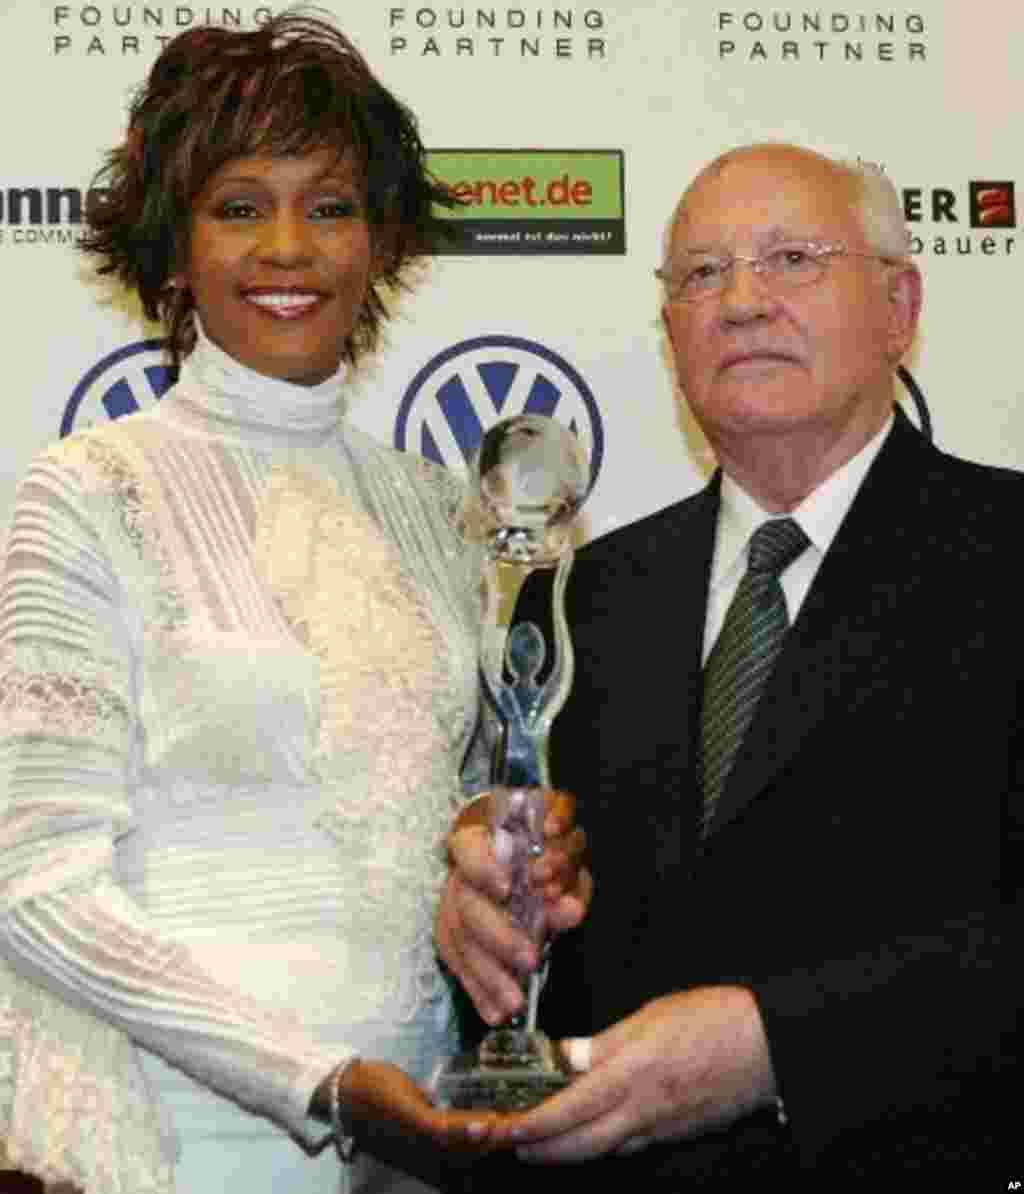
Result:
{"points": [[129, 379], [466, 389]]}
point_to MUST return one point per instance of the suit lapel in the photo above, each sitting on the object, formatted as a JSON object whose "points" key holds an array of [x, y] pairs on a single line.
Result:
{"points": [[636, 601], [665, 720], [842, 623], [675, 648]]}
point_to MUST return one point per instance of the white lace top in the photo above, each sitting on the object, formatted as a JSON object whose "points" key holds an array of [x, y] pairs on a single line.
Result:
{"points": [[239, 646]]}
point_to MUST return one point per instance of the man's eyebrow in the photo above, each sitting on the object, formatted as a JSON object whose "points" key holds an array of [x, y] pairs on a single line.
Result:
{"points": [[778, 234]]}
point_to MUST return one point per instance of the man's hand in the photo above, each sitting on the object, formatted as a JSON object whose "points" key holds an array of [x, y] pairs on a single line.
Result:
{"points": [[477, 940], [679, 1066]]}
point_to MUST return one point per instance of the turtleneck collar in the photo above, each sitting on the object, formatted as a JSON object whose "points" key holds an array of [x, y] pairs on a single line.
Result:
{"points": [[229, 395]]}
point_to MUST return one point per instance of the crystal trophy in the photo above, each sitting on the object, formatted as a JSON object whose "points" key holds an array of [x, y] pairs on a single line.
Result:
{"points": [[530, 478]]}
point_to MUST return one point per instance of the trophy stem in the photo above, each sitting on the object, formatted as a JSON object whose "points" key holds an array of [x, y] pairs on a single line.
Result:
{"points": [[531, 480], [503, 583], [520, 708], [563, 666], [532, 1001]]}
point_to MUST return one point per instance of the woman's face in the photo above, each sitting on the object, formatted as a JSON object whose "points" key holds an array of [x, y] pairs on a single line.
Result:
{"points": [[279, 262]]}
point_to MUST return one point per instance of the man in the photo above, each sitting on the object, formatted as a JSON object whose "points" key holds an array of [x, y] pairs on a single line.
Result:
{"points": [[794, 955]]}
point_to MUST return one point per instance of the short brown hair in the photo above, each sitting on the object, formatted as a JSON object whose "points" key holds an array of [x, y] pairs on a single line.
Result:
{"points": [[293, 86]]}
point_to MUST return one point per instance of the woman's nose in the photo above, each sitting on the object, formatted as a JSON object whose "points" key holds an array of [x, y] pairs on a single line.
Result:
{"points": [[286, 240]]}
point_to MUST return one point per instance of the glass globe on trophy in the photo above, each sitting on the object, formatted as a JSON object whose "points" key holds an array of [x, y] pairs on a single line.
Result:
{"points": [[529, 479]]}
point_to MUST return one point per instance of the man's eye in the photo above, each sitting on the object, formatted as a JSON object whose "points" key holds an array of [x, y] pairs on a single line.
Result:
{"points": [[789, 260], [703, 272]]}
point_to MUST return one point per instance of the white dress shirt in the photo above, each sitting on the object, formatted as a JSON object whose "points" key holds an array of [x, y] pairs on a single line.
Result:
{"points": [[819, 516]]}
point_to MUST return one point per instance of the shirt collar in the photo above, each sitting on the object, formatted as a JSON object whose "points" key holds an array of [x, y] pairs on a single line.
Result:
{"points": [[819, 515]]}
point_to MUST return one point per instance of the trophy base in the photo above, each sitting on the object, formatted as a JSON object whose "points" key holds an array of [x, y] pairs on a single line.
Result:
{"points": [[512, 1070]]}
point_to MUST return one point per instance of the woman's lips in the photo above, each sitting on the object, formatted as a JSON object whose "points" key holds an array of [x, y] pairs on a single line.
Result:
{"points": [[285, 304]]}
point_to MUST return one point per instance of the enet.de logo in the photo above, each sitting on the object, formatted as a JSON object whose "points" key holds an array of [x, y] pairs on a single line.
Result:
{"points": [[129, 379], [466, 389]]}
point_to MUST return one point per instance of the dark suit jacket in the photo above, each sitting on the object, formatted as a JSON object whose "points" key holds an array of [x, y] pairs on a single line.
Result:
{"points": [[863, 871]]}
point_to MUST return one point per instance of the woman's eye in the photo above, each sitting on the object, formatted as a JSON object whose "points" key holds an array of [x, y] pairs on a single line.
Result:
{"points": [[335, 209], [237, 209]]}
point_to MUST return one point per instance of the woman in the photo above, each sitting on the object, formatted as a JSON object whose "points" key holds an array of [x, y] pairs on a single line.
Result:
{"points": [[238, 671]]}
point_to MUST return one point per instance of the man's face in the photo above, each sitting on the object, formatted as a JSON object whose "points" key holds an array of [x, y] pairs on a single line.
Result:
{"points": [[755, 359]]}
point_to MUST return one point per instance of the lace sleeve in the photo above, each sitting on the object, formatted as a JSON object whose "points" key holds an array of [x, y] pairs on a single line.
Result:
{"points": [[69, 740]]}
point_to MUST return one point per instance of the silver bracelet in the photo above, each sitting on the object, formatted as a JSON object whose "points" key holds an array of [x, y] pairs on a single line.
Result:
{"points": [[474, 799], [344, 1136]]}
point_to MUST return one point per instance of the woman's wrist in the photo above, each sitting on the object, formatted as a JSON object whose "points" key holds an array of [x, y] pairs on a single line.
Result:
{"points": [[331, 1106]]}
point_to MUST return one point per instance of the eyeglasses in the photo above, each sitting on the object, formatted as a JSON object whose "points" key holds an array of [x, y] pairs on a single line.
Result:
{"points": [[700, 275]]}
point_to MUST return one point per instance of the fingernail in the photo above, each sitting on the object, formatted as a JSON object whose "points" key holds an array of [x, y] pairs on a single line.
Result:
{"points": [[579, 1053]]}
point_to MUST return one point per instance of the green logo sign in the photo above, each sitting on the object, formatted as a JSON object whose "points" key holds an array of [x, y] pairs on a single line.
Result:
{"points": [[532, 200]]}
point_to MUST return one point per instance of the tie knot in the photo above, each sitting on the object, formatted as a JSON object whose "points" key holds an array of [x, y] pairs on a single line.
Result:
{"points": [[775, 545]]}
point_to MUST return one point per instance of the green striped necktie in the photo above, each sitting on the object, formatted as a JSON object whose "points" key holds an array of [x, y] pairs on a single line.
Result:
{"points": [[743, 657]]}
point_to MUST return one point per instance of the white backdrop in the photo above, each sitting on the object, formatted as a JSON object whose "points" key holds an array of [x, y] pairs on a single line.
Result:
{"points": [[929, 91]]}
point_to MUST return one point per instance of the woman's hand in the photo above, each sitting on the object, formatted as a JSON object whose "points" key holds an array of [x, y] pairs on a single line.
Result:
{"points": [[476, 938], [381, 1096]]}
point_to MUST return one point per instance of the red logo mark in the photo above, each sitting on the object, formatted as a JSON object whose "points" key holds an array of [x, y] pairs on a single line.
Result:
{"points": [[992, 205]]}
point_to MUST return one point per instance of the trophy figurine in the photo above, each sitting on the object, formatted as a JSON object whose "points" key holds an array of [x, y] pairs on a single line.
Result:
{"points": [[530, 479]]}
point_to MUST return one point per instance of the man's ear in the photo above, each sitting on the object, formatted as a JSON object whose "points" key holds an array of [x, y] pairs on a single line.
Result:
{"points": [[904, 292], [666, 323]]}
